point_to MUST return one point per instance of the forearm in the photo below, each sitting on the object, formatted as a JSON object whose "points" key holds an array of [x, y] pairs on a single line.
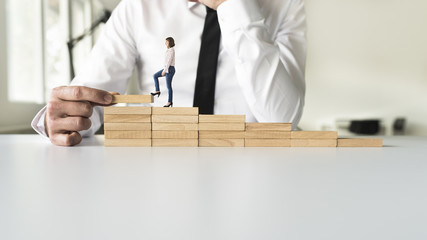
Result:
{"points": [[271, 73], [166, 69], [168, 62]]}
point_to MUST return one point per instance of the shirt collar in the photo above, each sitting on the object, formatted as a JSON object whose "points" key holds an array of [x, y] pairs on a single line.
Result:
{"points": [[191, 4]]}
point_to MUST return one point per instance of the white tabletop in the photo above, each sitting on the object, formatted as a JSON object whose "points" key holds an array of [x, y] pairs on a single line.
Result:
{"points": [[93, 192]]}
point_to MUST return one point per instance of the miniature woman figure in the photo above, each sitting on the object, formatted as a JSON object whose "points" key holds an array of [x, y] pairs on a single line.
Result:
{"points": [[168, 71]]}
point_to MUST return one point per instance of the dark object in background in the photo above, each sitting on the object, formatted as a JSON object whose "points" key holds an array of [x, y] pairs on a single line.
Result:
{"points": [[73, 42], [368, 127], [399, 126]]}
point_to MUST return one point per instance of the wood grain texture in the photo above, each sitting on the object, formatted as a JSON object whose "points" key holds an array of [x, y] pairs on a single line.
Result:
{"points": [[192, 111], [222, 118], [127, 142], [175, 142], [250, 142], [127, 118], [127, 134], [313, 143], [174, 119], [268, 127], [360, 142], [175, 134], [127, 126], [314, 134], [133, 99], [221, 142], [268, 134], [221, 126], [175, 127], [127, 110], [222, 134]]}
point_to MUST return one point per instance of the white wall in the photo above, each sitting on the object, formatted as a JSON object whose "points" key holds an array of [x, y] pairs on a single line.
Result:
{"points": [[13, 116], [366, 59]]}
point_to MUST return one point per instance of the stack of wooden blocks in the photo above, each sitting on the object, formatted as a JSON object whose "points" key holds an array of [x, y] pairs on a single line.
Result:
{"points": [[314, 139], [268, 135], [175, 127], [184, 127], [360, 142], [222, 130], [127, 126]]}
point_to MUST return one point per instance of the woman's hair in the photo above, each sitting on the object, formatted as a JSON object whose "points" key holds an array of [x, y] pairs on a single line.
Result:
{"points": [[171, 42]]}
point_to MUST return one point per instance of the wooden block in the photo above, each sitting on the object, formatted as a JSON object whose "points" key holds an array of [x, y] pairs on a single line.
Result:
{"points": [[221, 142], [175, 134], [133, 99], [175, 127], [127, 134], [128, 126], [360, 142], [127, 142], [175, 142], [269, 127], [251, 142], [314, 134], [222, 118], [268, 134], [127, 110], [221, 126], [222, 134], [192, 111], [313, 143], [127, 118], [174, 119]]}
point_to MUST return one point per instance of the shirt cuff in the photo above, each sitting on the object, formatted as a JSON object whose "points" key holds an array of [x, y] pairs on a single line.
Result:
{"points": [[235, 14], [38, 123]]}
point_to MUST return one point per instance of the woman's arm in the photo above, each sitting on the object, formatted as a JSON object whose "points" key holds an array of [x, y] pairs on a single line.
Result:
{"points": [[170, 54]]}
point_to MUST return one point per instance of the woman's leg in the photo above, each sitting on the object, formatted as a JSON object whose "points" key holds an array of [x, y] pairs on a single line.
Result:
{"points": [[156, 79], [169, 77]]}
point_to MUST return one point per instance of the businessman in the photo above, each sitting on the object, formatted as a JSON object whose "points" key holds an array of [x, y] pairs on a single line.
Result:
{"points": [[236, 57]]}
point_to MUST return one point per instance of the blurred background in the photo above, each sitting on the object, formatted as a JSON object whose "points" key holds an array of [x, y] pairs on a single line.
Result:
{"points": [[366, 64]]}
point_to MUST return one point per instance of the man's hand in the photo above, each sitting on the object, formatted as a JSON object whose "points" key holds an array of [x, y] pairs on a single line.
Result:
{"points": [[214, 4], [163, 73], [68, 112]]}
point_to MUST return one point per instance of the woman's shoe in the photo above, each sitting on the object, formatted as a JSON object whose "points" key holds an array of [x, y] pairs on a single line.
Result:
{"points": [[156, 93], [168, 105]]}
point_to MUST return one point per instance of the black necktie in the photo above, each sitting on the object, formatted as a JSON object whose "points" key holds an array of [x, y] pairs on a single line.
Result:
{"points": [[204, 95]]}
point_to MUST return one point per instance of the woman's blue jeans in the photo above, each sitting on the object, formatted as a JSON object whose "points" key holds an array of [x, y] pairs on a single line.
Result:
{"points": [[169, 77]]}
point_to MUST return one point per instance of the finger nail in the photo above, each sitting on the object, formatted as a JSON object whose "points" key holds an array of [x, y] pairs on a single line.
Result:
{"points": [[108, 98]]}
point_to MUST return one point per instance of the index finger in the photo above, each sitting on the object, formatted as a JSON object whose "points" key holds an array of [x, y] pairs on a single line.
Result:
{"points": [[80, 93]]}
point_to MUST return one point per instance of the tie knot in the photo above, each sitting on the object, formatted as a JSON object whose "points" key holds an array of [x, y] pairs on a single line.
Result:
{"points": [[210, 10]]}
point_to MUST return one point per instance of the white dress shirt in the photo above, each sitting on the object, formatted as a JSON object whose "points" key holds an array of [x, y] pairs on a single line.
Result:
{"points": [[170, 59], [260, 67]]}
